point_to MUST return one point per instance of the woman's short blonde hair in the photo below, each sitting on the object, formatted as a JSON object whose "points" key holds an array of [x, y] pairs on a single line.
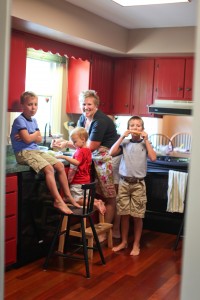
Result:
{"points": [[81, 132], [89, 93]]}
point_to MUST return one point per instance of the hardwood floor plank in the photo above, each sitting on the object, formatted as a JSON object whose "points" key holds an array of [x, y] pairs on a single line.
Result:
{"points": [[154, 274]]}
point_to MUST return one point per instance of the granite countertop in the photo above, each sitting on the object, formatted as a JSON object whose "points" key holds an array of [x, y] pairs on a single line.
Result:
{"points": [[13, 167]]}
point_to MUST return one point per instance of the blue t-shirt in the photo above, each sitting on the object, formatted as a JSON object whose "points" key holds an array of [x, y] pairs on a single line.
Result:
{"points": [[22, 123]]}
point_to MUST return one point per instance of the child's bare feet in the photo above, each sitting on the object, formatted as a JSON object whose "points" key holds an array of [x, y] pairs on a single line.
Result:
{"points": [[135, 251], [99, 204], [71, 201], [62, 207], [120, 247]]}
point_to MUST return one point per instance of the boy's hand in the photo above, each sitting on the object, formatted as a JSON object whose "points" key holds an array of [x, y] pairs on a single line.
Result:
{"points": [[126, 133], [144, 135], [17, 137]]}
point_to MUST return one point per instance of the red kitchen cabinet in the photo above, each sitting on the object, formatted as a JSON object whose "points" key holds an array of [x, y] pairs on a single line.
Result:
{"points": [[188, 86], [17, 71], [11, 220], [173, 78], [142, 87], [121, 100], [133, 86], [101, 76], [78, 81]]}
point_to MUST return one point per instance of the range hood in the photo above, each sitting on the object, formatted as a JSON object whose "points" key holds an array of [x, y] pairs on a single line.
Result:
{"points": [[171, 107]]}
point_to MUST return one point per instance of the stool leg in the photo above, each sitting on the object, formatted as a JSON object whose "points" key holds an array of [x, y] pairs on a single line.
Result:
{"points": [[110, 240], [62, 237], [45, 265], [90, 244], [85, 249], [96, 240], [179, 235], [67, 235]]}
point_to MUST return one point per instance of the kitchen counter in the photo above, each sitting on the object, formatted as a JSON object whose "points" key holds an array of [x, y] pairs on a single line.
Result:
{"points": [[13, 167]]}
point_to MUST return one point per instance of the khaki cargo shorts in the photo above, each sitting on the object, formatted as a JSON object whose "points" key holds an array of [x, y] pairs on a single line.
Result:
{"points": [[36, 159], [132, 199]]}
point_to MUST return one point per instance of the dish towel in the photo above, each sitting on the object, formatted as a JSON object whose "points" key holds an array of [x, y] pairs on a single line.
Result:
{"points": [[177, 185]]}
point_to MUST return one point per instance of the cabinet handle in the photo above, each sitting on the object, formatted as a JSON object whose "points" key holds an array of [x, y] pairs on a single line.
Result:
{"points": [[126, 105], [188, 89], [180, 89]]}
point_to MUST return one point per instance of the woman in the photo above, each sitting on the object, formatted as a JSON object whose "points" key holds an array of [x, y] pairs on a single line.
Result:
{"points": [[102, 135]]}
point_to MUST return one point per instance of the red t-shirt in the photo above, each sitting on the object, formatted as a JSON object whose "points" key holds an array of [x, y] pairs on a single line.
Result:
{"points": [[84, 156]]}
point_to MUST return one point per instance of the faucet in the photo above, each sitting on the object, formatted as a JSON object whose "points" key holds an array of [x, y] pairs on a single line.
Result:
{"points": [[45, 135]]}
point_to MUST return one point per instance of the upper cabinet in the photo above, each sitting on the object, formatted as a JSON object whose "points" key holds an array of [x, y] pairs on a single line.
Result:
{"points": [[142, 91], [17, 71], [84, 75], [133, 86], [78, 81], [101, 76], [121, 100], [173, 78], [188, 86]]}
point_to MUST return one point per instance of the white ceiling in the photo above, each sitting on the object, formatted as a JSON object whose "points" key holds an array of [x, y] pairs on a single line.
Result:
{"points": [[151, 16]]}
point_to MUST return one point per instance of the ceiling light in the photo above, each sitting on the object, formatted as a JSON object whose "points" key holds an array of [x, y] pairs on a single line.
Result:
{"points": [[147, 2]]}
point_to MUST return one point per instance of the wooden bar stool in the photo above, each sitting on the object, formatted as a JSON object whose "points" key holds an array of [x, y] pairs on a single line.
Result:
{"points": [[82, 214], [75, 230]]}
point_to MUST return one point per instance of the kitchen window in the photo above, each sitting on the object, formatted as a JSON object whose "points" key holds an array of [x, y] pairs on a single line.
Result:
{"points": [[44, 76]]}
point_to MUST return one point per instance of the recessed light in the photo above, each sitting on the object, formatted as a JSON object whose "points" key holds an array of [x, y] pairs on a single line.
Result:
{"points": [[147, 2]]}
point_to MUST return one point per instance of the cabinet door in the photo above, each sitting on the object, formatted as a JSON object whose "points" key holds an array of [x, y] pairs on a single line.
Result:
{"points": [[142, 89], [101, 75], [121, 101], [169, 78], [17, 71], [189, 68], [11, 220], [78, 81]]}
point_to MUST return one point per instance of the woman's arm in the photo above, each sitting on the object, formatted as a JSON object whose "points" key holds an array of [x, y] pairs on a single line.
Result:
{"points": [[61, 144], [93, 145]]}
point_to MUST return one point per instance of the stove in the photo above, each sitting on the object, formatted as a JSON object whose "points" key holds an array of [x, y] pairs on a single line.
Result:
{"points": [[166, 163]]}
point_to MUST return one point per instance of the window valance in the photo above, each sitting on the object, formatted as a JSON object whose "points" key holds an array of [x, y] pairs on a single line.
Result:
{"points": [[55, 47]]}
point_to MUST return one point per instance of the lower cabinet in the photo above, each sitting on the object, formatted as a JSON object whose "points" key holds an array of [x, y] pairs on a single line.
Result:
{"points": [[11, 220]]}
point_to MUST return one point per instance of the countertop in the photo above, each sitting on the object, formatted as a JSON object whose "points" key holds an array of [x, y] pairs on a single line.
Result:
{"points": [[13, 167]]}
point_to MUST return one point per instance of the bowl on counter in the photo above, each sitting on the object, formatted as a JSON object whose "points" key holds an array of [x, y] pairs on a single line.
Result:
{"points": [[43, 148]]}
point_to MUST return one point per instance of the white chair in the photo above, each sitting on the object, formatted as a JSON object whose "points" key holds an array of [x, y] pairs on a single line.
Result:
{"points": [[159, 139], [182, 140]]}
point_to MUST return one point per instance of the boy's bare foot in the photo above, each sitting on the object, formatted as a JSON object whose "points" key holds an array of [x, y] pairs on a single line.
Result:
{"points": [[135, 251], [99, 204], [120, 247], [71, 201], [62, 207]]}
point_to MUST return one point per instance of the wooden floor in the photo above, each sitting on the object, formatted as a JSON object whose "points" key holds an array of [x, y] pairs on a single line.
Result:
{"points": [[154, 275]]}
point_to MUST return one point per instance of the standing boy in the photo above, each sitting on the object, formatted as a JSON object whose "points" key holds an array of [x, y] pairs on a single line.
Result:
{"points": [[132, 190], [80, 167], [25, 136]]}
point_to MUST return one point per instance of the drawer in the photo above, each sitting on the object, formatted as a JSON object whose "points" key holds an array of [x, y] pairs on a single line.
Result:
{"points": [[11, 204], [11, 184], [11, 228], [10, 252]]}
